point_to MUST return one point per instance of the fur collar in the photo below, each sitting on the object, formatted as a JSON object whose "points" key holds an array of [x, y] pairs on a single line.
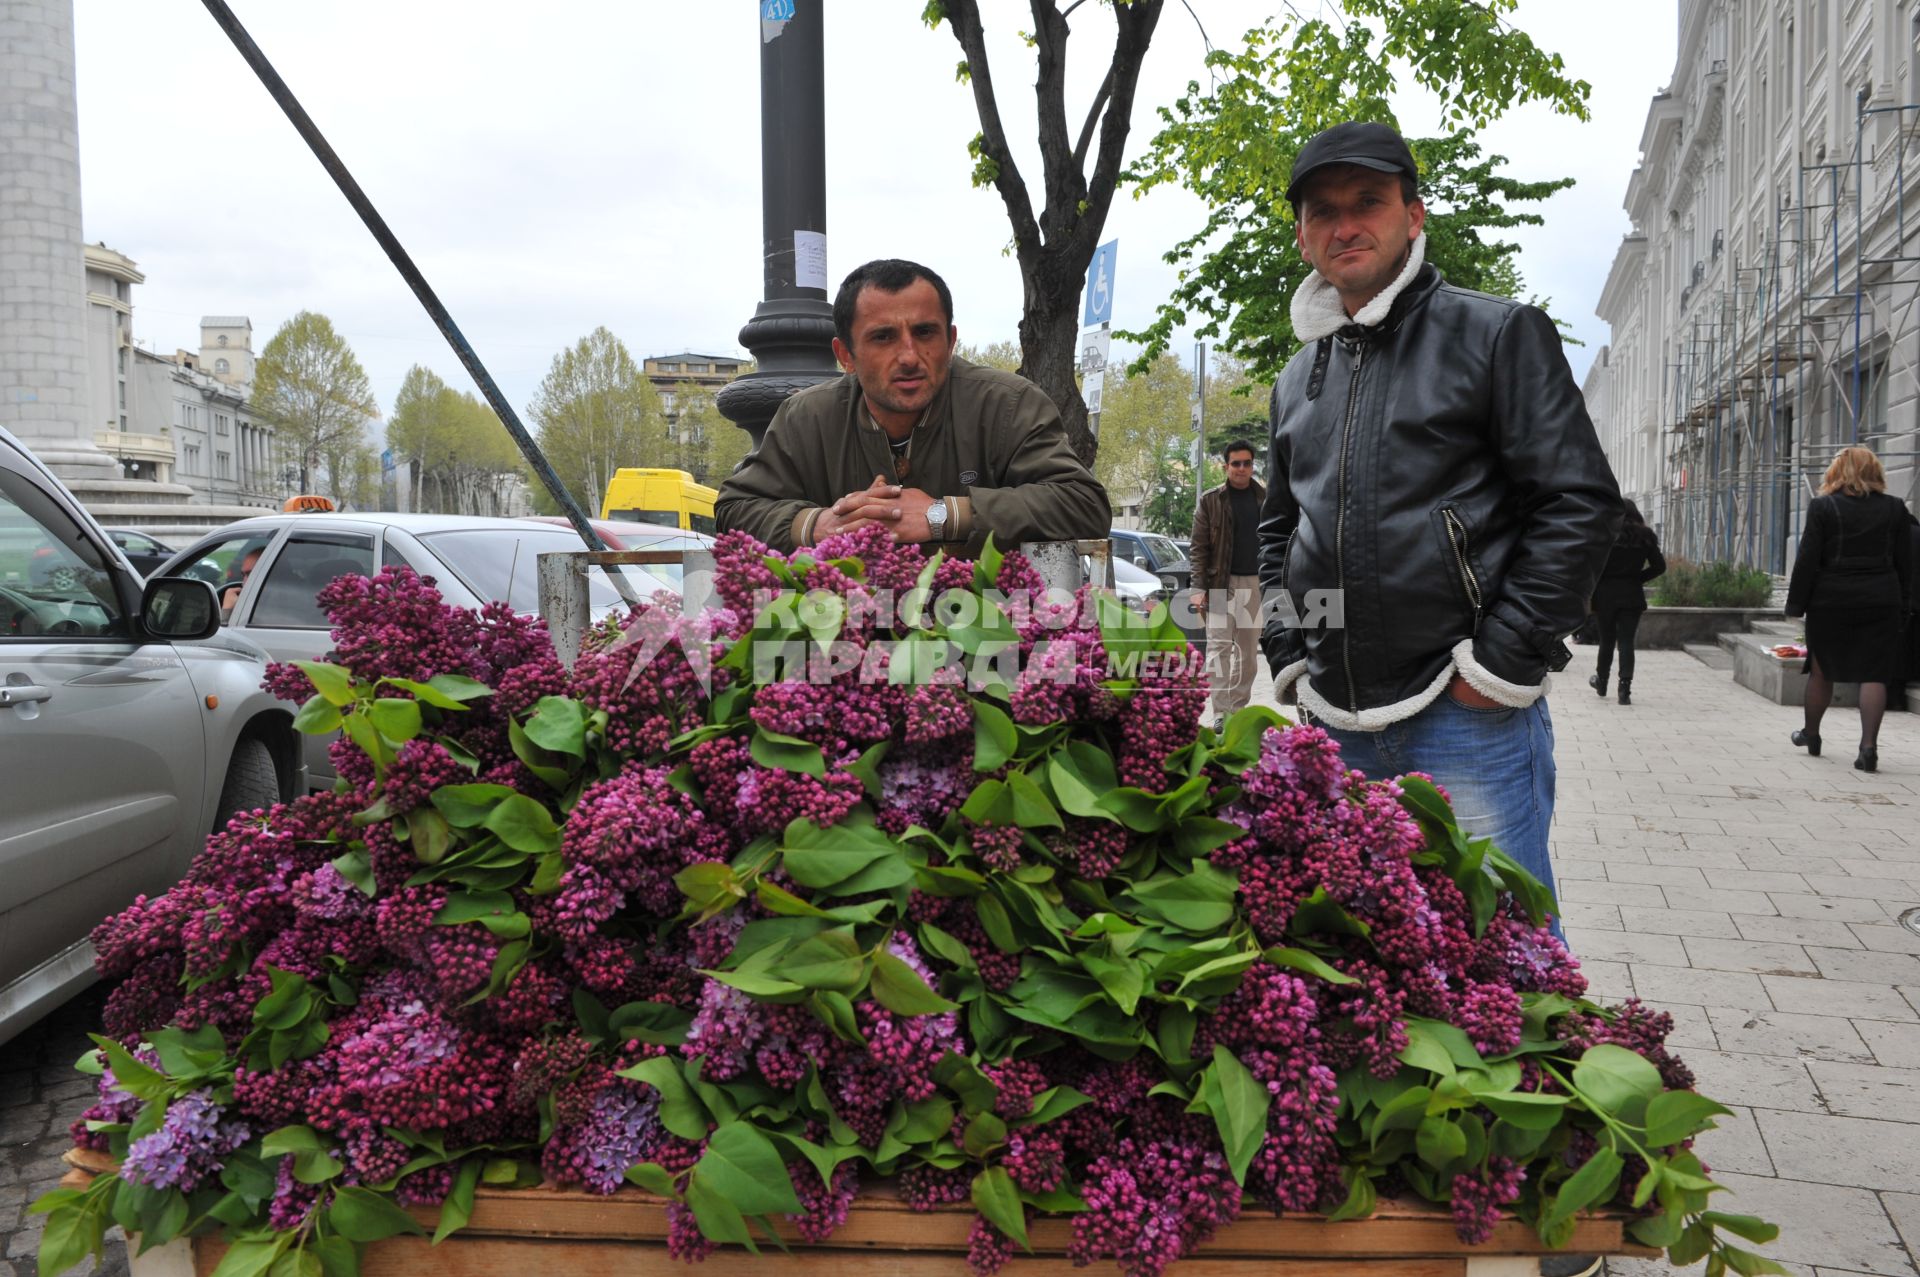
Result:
{"points": [[1316, 307]]}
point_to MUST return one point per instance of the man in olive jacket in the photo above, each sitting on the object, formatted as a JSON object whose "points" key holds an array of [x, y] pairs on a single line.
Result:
{"points": [[931, 446]]}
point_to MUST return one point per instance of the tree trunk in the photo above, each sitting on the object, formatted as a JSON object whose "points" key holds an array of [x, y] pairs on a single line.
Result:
{"points": [[1050, 348]]}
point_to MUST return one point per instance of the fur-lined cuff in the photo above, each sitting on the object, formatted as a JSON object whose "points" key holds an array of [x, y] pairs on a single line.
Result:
{"points": [[1491, 685], [1379, 717], [1287, 677]]}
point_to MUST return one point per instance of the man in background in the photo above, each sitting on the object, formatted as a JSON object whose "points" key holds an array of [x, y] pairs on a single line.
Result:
{"points": [[1225, 554]]}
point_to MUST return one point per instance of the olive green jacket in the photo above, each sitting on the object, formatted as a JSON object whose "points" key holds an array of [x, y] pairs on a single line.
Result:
{"points": [[990, 440]]}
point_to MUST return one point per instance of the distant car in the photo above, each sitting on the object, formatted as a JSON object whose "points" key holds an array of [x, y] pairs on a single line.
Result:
{"points": [[1154, 552], [130, 729], [269, 569], [144, 551]]}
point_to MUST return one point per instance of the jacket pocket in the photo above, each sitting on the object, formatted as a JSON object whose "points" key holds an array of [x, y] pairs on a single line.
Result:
{"points": [[1459, 548]]}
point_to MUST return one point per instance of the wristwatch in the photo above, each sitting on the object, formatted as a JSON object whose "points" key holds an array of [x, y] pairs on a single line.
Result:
{"points": [[937, 519]]}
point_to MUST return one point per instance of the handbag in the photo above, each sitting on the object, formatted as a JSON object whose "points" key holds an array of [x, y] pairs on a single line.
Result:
{"points": [[1855, 580]]}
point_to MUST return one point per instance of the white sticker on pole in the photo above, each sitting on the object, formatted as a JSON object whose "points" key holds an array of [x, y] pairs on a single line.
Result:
{"points": [[810, 259]]}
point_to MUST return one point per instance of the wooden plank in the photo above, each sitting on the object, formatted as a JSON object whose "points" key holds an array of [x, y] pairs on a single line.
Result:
{"points": [[880, 1221], [515, 1257]]}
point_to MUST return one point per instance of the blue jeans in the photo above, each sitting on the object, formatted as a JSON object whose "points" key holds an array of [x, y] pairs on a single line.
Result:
{"points": [[1496, 765]]}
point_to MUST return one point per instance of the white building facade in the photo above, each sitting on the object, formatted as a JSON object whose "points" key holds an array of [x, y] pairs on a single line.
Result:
{"points": [[1763, 308]]}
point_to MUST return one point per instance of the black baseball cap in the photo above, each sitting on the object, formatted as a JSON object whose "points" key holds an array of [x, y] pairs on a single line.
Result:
{"points": [[1373, 146]]}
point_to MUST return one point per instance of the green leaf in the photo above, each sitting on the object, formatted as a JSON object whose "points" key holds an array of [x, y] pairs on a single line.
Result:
{"points": [[985, 1132], [995, 1197], [786, 753], [829, 960], [986, 568], [317, 717], [1672, 1116], [357, 868], [996, 923], [1031, 807], [1239, 1106], [1309, 964], [431, 838], [187, 1055], [1441, 1143], [248, 1257], [457, 1208], [395, 718], [1595, 1181], [559, 726], [899, 988], [719, 1219], [129, 1074], [1747, 1226], [1611, 1076], [1200, 901], [744, 1166], [1361, 1195], [473, 906], [1135, 808], [72, 1233], [334, 682], [361, 731], [819, 858], [659, 1023], [1527, 1110], [681, 1112], [994, 739], [458, 687], [468, 806], [362, 1215], [524, 824], [1054, 1102], [654, 1178], [963, 1077]]}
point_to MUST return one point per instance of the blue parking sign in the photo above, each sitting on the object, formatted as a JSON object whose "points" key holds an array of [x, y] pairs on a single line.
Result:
{"points": [[1100, 285]]}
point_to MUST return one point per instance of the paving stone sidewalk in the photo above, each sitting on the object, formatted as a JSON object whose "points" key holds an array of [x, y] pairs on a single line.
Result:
{"points": [[1706, 866]]}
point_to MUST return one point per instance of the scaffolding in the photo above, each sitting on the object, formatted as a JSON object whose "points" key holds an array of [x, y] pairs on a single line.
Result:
{"points": [[1797, 354]]}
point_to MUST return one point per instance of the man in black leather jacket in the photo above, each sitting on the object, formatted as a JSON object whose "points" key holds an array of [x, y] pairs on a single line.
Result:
{"points": [[1433, 462]]}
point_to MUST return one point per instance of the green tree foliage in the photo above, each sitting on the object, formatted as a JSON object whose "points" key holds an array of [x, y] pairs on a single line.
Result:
{"points": [[706, 445], [1233, 145], [462, 460], [310, 387], [1004, 355], [595, 412]]}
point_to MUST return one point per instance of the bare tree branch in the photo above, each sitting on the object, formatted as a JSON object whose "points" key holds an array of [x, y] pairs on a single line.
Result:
{"points": [[964, 15], [1093, 116], [1064, 185], [1136, 22]]}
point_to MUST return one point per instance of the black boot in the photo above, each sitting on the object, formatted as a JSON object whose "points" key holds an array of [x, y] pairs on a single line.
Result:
{"points": [[1598, 682], [1626, 691]]}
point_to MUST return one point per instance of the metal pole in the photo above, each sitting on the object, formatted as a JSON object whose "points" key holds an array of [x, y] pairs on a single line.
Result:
{"points": [[303, 123], [791, 332]]}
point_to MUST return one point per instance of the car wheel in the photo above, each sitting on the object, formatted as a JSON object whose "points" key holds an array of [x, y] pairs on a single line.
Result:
{"points": [[252, 782]]}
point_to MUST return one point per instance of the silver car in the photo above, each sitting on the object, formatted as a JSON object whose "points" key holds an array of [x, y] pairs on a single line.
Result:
{"points": [[129, 730], [268, 570]]}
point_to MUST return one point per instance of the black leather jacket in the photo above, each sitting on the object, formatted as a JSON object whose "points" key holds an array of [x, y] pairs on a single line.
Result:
{"points": [[1441, 470]]}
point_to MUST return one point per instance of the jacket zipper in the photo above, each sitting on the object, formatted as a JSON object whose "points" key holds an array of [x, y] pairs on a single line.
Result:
{"points": [[1340, 526], [1457, 535]]}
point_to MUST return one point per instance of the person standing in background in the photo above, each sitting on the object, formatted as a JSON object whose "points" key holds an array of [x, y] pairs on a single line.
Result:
{"points": [[1851, 579], [1620, 597], [1226, 578]]}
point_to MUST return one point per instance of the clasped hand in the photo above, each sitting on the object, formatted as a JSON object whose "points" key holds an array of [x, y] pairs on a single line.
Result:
{"points": [[903, 511]]}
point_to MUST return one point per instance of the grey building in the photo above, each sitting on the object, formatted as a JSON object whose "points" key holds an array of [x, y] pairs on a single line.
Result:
{"points": [[1763, 308]]}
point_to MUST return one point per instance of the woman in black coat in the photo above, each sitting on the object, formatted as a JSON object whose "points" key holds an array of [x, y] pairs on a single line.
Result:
{"points": [[1850, 580], [1621, 596]]}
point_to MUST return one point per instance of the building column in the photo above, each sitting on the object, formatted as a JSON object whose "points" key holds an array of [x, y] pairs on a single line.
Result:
{"points": [[43, 308]]}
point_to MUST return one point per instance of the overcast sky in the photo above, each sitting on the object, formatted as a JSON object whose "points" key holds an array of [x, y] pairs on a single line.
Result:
{"points": [[557, 167]]}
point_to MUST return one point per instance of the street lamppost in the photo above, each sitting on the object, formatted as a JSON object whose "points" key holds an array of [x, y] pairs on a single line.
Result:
{"points": [[791, 332]]}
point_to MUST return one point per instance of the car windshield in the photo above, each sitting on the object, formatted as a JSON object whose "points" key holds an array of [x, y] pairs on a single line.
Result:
{"points": [[1161, 548], [502, 563]]}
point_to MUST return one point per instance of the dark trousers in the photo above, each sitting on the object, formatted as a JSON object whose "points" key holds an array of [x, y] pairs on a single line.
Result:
{"points": [[1618, 627]]}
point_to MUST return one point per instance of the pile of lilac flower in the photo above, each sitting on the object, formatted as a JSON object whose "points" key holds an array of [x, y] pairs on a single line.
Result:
{"points": [[888, 867]]}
